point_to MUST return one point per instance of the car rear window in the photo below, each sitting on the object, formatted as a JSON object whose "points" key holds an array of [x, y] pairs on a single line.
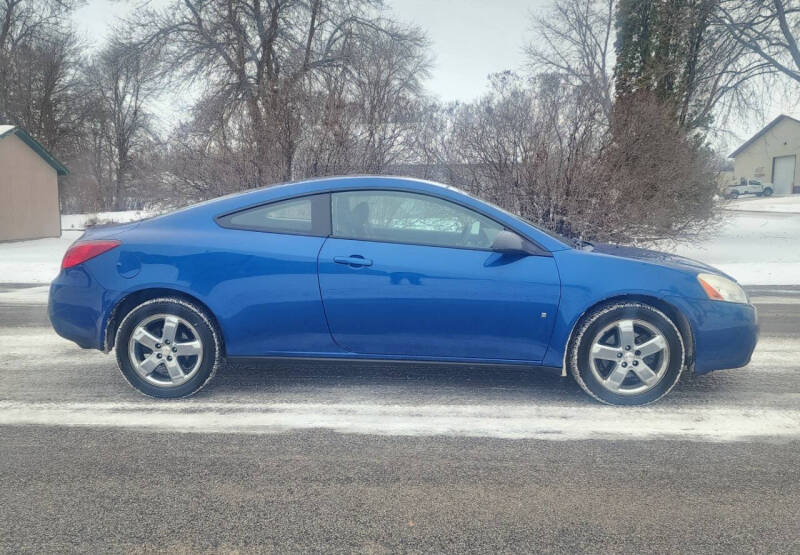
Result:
{"points": [[307, 215]]}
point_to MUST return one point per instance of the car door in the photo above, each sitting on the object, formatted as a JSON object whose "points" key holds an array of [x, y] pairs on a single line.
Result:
{"points": [[262, 280], [411, 275]]}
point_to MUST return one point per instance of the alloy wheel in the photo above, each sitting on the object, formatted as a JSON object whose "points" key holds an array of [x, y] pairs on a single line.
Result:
{"points": [[629, 356], [165, 350]]}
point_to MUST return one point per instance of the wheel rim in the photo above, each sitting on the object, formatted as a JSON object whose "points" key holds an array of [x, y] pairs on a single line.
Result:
{"points": [[629, 357], [165, 350]]}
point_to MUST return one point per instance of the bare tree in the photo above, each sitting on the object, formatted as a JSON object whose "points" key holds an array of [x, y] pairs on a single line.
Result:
{"points": [[540, 148], [202, 164], [386, 77], [576, 39], [722, 80], [361, 117], [675, 51], [40, 78], [21, 21], [662, 176], [686, 58], [39, 69], [262, 58], [768, 29], [121, 80]]}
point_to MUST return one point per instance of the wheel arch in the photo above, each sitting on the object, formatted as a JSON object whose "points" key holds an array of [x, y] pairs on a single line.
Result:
{"points": [[135, 298], [674, 314]]}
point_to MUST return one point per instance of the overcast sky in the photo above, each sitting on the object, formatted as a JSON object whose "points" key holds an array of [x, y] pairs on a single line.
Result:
{"points": [[470, 39]]}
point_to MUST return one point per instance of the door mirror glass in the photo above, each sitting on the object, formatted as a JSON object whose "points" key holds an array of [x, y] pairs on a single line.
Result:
{"points": [[508, 242]]}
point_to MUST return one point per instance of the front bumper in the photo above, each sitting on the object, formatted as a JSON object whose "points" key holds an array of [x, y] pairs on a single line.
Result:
{"points": [[725, 334]]}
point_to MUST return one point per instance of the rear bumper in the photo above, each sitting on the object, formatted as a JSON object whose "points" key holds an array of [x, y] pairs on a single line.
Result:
{"points": [[76, 308], [725, 334]]}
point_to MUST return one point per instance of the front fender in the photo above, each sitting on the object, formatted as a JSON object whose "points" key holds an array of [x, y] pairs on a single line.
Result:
{"points": [[589, 279]]}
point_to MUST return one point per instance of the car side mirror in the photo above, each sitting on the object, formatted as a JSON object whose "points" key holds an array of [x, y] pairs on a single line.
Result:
{"points": [[508, 242]]}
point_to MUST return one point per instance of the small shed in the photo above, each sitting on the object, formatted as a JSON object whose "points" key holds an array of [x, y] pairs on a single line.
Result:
{"points": [[29, 207], [770, 156]]}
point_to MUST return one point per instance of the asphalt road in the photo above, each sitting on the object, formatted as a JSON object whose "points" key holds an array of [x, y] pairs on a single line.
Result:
{"points": [[317, 456]]}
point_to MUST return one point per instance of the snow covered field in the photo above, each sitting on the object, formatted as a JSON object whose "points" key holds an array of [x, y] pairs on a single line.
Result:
{"points": [[755, 248], [531, 421], [38, 261], [758, 244], [788, 203]]}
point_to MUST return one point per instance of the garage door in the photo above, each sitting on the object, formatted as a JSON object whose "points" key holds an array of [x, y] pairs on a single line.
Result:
{"points": [[783, 174]]}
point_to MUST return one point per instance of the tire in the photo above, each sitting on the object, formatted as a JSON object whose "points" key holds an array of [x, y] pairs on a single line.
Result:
{"points": [[733, 195], [143, 346], [606, 370], [767, 191]]}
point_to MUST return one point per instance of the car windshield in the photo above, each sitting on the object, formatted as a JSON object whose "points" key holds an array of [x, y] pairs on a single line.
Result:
{"points": [[556, 235]]}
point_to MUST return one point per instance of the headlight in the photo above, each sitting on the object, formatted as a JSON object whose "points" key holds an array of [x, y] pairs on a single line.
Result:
{"points": [[720, 288]]}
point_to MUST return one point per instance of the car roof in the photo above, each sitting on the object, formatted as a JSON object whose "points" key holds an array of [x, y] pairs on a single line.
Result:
{"points": [[342, 182], [269, 193]]}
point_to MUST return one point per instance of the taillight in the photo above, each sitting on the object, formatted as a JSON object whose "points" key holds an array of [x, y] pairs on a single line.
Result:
{"points": [[81, 252]]}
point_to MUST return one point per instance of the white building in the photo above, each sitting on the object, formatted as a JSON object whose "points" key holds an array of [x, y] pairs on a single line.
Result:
{"points": [[771, 156]]}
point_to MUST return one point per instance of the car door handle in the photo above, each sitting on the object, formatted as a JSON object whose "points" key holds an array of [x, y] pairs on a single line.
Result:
{"points": [[355, 260]]}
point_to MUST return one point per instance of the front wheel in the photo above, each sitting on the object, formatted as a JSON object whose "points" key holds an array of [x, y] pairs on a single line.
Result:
{"points": [[167, 347], [767, 191], [627, 354]]}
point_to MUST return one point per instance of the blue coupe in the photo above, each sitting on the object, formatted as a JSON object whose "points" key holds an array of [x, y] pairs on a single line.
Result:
{"points": [[394, 269]]}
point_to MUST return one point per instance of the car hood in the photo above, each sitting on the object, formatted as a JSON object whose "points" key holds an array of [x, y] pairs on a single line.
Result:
{"points": [[656, 257]]}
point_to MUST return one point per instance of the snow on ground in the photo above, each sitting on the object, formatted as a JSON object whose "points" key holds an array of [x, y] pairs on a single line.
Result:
{"points": [[755, 248], [24, 295], [82, 221], [533, 421], [39, 260], [788, 203], [36, 261]]}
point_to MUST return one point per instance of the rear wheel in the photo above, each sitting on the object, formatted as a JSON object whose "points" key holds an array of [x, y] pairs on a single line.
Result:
{"points": [[767, 191], [627, 354], [167, 347]]}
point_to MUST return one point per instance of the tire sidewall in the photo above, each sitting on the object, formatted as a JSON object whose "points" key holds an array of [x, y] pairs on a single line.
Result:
{"points": [[191, 314], [580, 363]]}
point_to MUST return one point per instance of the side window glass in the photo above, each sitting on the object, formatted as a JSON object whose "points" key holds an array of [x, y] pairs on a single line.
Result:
{"points": [[400, 217], [304, 215]]}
